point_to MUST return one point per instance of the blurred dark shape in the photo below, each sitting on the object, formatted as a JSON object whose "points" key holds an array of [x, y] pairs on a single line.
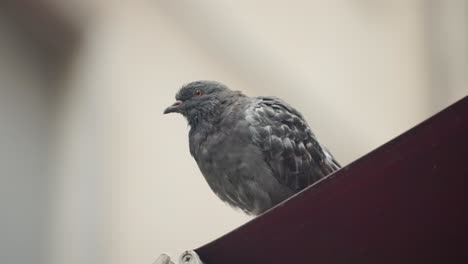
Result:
{"points": [[44, 27]]}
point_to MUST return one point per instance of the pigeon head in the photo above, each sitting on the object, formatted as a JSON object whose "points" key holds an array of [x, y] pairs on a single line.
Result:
{"points": [[200, 100]]}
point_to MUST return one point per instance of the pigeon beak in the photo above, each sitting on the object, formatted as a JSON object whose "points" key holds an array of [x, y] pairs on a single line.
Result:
{"points": [[174, 108]]}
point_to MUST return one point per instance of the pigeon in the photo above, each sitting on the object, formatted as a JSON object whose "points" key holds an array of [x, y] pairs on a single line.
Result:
{"points": [[254, 152]]}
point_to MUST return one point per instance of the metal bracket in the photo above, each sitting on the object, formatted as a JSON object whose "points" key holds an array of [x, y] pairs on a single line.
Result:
{"points": [[188, 257]]}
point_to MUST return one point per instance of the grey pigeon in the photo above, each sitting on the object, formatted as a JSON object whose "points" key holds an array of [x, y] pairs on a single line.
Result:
{"points": [[254, 152]]}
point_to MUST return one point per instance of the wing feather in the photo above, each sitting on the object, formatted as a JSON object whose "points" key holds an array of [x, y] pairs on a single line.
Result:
{"points": [[290, 148]]}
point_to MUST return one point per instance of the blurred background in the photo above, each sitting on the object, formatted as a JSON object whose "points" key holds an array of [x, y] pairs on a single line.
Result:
{"points": [[92, 172]]}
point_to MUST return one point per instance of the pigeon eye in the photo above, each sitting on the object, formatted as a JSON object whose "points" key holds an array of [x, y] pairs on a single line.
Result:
{"points": [[198, 93]]}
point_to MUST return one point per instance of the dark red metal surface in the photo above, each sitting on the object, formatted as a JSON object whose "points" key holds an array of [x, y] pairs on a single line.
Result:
{"points": [[405, 202]]}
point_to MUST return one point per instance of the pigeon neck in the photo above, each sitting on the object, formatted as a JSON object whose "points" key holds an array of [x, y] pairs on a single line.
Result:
{"points": [[211, 113], [205, 120]]}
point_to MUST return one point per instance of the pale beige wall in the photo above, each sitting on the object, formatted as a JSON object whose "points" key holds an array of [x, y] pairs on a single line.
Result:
{"points": [[128, 188]]}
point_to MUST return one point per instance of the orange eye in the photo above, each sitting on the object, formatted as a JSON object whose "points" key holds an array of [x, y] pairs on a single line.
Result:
{"points": [[198, 93]]}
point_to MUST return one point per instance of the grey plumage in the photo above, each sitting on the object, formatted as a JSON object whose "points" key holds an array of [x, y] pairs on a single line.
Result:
{"points": [[254, 152]]}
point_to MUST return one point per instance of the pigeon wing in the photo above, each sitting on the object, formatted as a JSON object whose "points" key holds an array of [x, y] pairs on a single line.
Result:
{"points": [[290, 148]]}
